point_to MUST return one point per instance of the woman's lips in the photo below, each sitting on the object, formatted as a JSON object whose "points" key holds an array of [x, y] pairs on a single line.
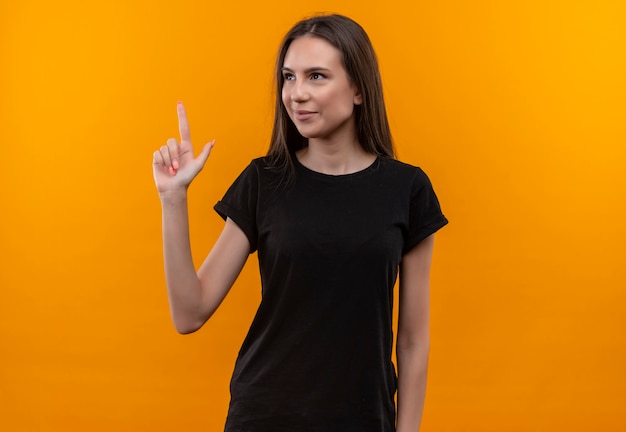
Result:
{"points": [[303, 115]]}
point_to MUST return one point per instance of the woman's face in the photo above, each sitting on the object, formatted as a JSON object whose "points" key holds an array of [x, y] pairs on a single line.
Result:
{"points": [[317, 93]]}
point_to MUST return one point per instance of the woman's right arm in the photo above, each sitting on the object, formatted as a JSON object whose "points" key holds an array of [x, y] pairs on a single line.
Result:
{"points": [[193, 296]]}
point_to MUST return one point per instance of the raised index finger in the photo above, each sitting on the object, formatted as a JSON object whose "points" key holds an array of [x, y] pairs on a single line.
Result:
{"points": [[183, 126]]}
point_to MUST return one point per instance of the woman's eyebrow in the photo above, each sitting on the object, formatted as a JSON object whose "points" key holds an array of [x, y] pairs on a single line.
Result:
{"points": [[307, 70]]}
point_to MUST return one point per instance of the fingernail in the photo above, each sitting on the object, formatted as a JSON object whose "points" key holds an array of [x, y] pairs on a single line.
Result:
{"points": [[175, 164]]}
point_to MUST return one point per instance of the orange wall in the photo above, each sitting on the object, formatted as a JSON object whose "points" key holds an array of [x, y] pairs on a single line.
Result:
{"points": [[515, 109]]}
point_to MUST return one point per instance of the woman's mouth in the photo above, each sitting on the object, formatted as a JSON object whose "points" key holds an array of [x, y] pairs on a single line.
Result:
{"points": [[303, 115]]}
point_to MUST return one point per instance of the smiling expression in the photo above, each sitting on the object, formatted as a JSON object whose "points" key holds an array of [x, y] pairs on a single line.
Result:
{"points": [[317, 92]]}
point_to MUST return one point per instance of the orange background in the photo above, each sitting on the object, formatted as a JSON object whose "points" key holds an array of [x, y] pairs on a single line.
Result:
{"points": [[515, 109]]}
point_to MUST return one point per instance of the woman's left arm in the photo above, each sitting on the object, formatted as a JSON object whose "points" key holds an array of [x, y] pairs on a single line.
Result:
{"points": [[413, 334]]}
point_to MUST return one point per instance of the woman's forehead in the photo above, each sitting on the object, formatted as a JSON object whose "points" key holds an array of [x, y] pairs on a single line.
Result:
{"points": [[308, 51]]}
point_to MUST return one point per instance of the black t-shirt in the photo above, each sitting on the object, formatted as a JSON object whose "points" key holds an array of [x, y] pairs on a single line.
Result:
{"points": [[317, 356]]}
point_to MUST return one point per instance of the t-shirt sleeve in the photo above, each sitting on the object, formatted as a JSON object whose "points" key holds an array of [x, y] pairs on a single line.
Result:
{"points": [[425, 216], [240, 203]]}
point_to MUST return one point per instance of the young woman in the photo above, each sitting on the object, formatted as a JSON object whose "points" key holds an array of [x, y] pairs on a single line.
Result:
{"points": [[334, 218]]}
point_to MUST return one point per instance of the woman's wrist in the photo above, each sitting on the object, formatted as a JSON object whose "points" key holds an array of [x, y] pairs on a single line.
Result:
{"points": [[173, 197]]}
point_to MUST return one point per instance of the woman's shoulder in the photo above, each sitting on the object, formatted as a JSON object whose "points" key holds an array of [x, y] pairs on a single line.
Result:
{"points": [[258, 165], [405, 173], [265, 172], [400, 167], [265, 166]]}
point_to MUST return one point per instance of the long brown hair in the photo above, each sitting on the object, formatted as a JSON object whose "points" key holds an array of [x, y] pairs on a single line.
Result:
{"points": [[361, 65]]}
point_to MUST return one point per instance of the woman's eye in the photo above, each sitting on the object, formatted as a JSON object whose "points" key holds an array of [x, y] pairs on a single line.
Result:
{"points": [[316, 76], [288, 77]]}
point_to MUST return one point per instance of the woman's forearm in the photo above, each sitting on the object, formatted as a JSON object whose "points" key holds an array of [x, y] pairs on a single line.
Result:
{"points": [[412, 372], [183, 285], [413, 334]]}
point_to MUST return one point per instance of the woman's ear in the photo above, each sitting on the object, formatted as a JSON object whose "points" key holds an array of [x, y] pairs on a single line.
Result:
{"points": [[358, 99]]}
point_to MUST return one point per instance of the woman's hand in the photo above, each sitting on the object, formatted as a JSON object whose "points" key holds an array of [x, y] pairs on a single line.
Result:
{"points": [[174, 166]]}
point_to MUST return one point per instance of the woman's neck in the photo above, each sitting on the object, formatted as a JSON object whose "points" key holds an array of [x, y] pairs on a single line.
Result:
{"points": [[335, 158]]}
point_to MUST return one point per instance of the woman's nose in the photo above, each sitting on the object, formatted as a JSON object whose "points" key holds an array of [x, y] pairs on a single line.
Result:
{"points": [[299, 92]]}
